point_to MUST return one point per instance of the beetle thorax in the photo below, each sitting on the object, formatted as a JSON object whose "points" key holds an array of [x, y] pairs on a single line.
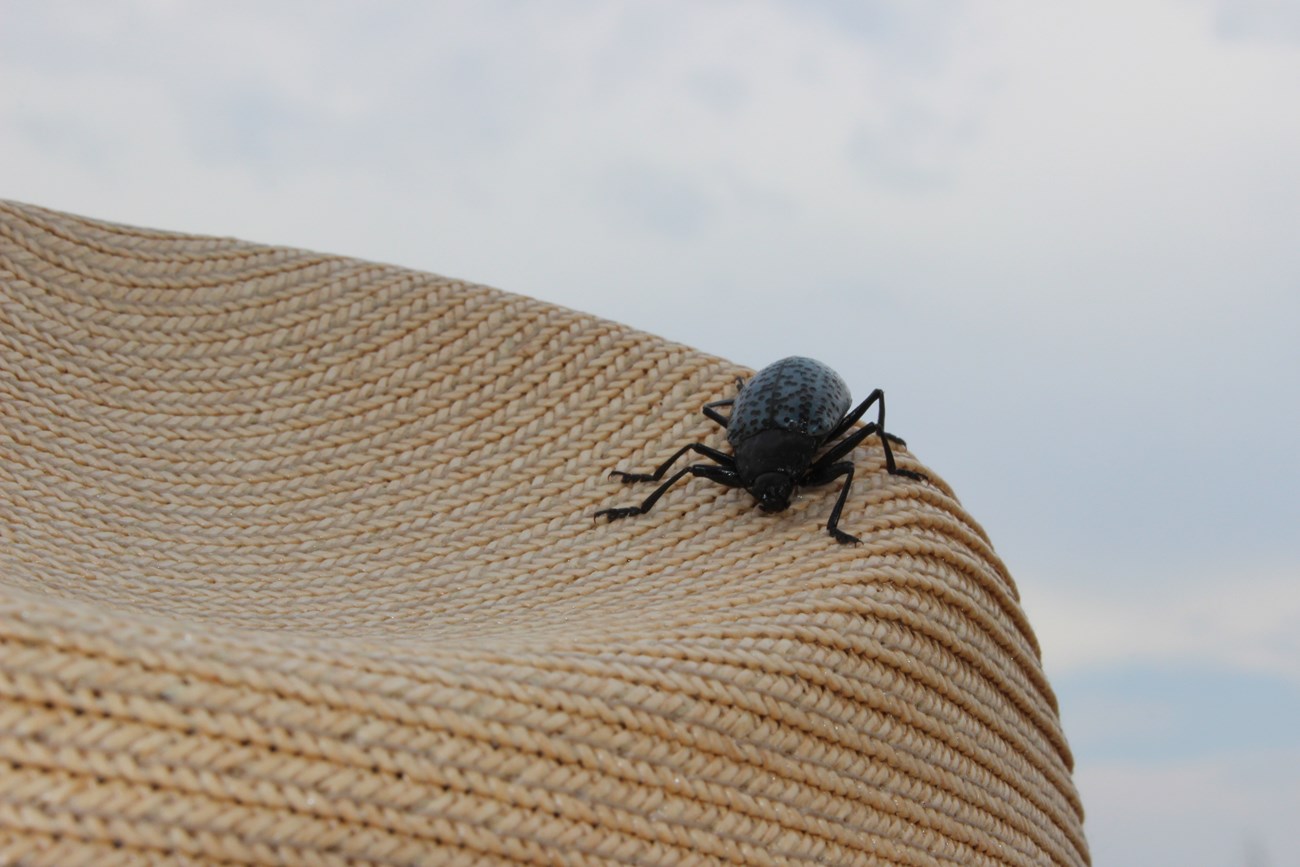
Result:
{"points": [[771, 463]]}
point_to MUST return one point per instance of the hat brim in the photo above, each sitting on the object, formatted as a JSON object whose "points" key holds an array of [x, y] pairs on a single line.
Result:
{"points": [[298, 564]]}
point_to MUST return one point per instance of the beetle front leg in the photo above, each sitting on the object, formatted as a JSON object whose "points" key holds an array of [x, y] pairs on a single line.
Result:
{"points": [[711, 453], [827, 474], [721, 475]]}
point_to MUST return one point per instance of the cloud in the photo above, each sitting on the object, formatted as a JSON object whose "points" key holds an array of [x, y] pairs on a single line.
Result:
{"points": [[1267, 20], [1238, 617], [1237, 809], [1153, 716]]}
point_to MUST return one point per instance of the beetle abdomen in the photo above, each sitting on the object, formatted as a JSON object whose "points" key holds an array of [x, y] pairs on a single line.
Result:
{"points": [[795, 394]]}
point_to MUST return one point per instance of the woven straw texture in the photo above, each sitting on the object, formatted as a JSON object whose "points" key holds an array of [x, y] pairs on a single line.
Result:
{"points": [[297, 565]]}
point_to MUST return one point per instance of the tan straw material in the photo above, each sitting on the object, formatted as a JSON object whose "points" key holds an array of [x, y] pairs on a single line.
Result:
{"points": [[297, 565]]}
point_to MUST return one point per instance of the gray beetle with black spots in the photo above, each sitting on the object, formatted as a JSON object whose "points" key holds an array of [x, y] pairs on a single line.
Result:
{"points": [[780, 421]]}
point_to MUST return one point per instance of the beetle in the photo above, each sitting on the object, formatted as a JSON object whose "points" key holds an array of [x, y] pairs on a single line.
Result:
{"points": [[780, 420]]}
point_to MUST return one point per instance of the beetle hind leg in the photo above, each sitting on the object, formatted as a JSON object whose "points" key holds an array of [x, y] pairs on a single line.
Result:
{"points": [[710, 411], [850, 442]]}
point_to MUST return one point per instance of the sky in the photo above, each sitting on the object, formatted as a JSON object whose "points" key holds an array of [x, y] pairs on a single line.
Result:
{"points": [[1064, 238]]}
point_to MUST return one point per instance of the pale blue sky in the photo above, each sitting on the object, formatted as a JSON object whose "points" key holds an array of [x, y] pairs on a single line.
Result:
{"points": [[1064, 239]]}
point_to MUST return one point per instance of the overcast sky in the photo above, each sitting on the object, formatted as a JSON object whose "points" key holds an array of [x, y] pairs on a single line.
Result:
{"points": [[1065, 238]]}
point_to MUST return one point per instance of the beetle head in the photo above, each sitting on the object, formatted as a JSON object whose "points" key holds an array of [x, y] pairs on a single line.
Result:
{"points": [[773, 491]]}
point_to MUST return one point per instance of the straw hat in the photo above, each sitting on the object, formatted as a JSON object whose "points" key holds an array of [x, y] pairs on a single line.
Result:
{"points": [[298, 565]]}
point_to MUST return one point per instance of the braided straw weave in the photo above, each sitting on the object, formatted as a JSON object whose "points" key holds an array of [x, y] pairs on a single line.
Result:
{"points": [[297, 565]]}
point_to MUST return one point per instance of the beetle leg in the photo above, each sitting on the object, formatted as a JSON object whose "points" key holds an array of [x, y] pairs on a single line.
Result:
{"points": [[721, 475], [850, 442], [713, 454], [820, 476], [710, 411], [859, 411], [712, 414], [844, 446]]}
